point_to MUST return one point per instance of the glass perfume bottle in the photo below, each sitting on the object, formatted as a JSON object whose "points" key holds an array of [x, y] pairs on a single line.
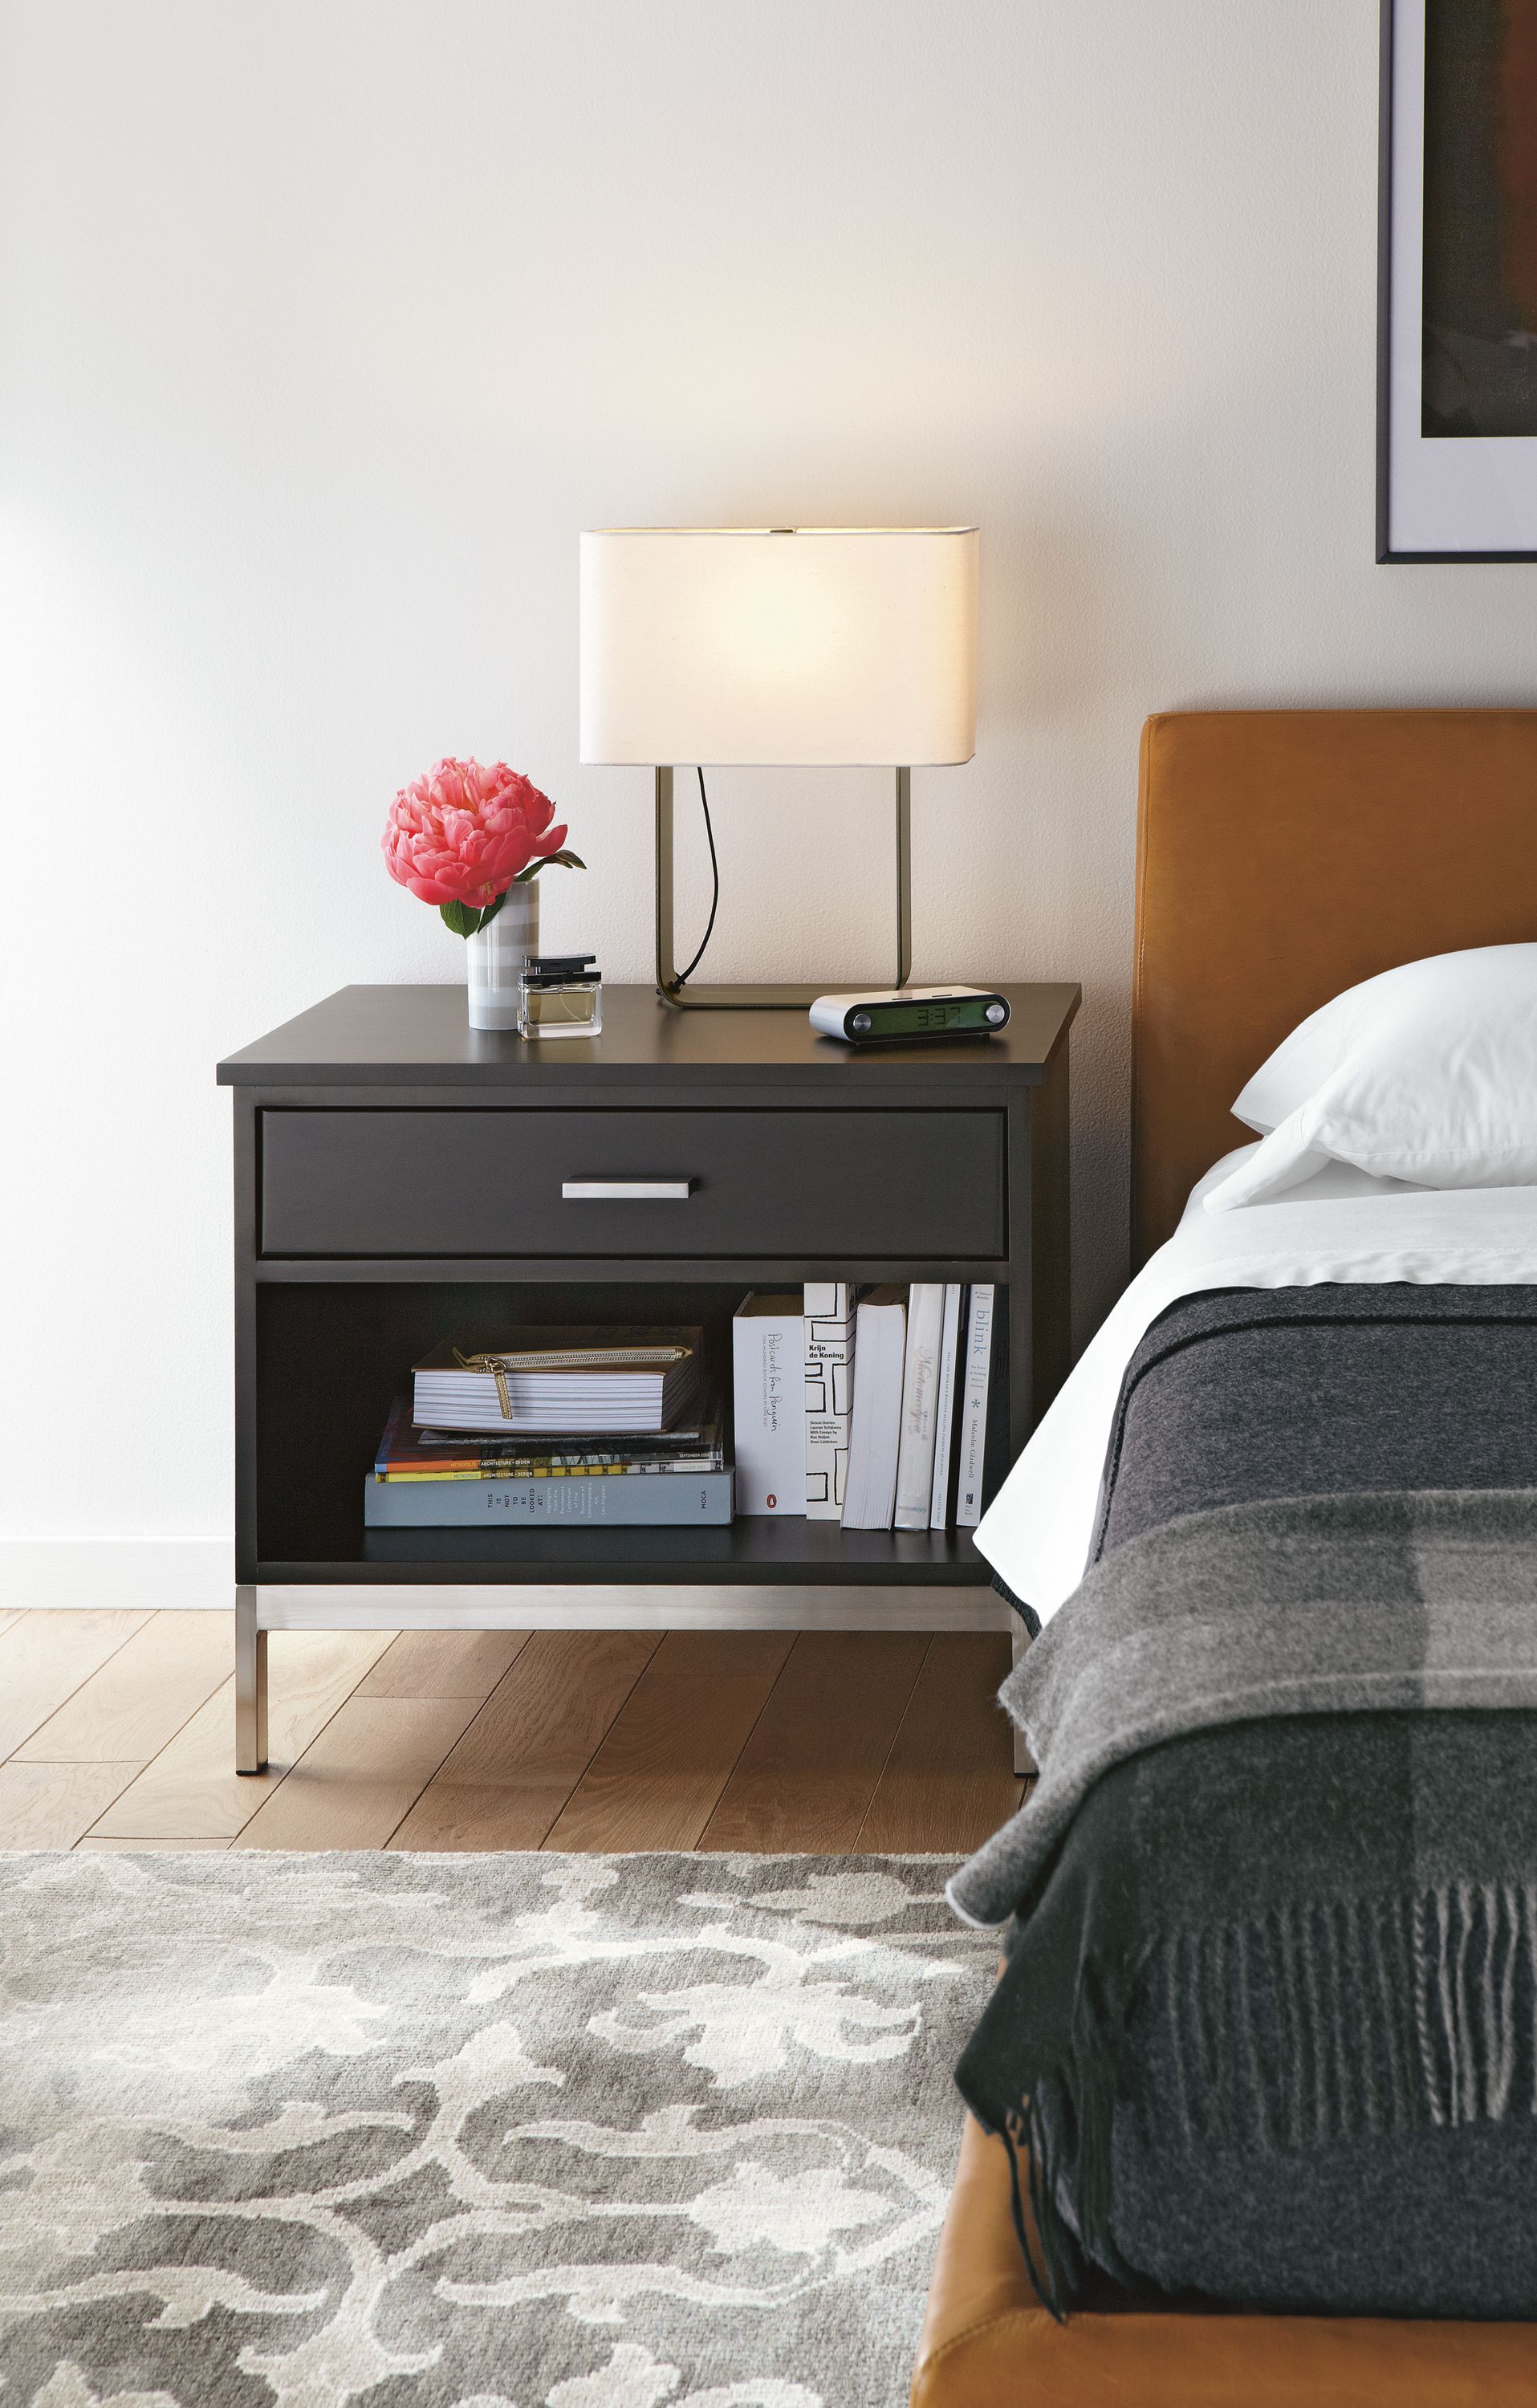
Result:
{"points": [[560, 995]]}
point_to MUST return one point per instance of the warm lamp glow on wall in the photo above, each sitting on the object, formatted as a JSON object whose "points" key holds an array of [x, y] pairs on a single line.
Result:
{"points": [[777, 646]]}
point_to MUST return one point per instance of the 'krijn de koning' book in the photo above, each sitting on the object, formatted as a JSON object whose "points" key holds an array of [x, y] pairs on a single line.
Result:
{"points": [[830, 1325]]}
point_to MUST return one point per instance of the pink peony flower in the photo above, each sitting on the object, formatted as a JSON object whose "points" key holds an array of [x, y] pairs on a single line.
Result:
{"points": [[462, 833]]}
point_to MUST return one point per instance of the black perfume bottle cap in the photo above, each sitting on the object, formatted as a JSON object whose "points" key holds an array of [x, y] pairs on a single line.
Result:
{"points": [[554, 970]]}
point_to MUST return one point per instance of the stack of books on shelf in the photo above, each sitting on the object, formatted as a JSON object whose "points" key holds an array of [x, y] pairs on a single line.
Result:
{"points": [[892, 1386], [636, 1381], [554, 1425]]}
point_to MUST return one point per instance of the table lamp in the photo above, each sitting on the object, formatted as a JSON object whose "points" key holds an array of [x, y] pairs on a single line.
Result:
{"points": [[776, 646]]}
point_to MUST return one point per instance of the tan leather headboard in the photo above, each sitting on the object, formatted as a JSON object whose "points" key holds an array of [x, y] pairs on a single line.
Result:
{"points": [[1281, 856]]}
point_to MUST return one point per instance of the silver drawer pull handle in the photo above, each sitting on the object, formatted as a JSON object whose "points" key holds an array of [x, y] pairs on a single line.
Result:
{"points": [[626, 1191]]}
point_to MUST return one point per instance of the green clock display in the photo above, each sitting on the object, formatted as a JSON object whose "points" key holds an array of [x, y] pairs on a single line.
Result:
{"points": [[923, 1019]]}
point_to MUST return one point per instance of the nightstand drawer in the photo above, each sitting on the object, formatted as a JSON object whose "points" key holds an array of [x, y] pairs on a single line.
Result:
{"points": [[919, 1184]]}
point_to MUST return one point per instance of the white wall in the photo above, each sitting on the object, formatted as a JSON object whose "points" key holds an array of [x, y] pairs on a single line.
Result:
{"points": [[325, 324]]}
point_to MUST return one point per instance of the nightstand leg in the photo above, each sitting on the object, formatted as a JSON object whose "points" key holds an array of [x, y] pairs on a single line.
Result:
{"points": [[1023, 1761], [250, 1686]]}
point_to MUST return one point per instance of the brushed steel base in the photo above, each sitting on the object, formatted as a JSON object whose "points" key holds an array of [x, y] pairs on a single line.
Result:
{"points": [[633, 1606], [250, 1683], [682, 997], [739, 998]]}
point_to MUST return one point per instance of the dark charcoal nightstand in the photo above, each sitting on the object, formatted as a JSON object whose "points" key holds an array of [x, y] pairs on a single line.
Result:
{"points": [[399, 1181]]}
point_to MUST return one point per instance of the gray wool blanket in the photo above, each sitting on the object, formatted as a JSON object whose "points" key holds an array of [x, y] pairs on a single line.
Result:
{"points": [[1292, 1606], [1280, 1866]]}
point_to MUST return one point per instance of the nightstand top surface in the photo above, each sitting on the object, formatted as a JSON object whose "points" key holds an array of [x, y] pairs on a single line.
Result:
{"points": [[418, 1036]]}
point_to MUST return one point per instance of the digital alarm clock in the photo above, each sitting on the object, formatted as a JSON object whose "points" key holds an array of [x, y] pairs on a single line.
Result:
{"points": [[911, 1013]]}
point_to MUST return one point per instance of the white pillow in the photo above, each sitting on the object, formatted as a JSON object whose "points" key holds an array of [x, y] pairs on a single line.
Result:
{"points": [[1427, 1073], [1315, 1048], [1338, 1183]]}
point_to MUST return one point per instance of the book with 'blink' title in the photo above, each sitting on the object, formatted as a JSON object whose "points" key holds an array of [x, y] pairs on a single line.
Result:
{"points": [[974, 1376]]}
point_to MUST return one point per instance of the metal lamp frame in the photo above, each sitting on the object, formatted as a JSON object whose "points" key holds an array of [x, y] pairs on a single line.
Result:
{"points": [[682, 997]]}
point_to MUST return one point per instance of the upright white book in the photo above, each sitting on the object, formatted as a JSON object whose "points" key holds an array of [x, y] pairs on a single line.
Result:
{"points": [[920, 1397], [944, 1411], [875, 1433], [768, 1390], [830, 1330], [973, 1434]]}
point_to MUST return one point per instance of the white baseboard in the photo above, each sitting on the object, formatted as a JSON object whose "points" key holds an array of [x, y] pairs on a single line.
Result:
{"points": [[136, 1575]]}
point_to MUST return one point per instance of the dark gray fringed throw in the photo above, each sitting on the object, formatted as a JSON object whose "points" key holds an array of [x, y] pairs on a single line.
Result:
{"points": [[1283, 1847]]}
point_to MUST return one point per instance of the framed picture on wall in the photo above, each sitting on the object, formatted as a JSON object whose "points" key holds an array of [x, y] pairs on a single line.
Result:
{"points": [[1456, 310]]}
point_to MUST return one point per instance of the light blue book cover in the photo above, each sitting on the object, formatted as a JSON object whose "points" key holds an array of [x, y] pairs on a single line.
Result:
{"points": [[654, 1498]]}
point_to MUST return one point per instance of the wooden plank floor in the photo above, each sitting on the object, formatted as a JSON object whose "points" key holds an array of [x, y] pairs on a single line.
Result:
{"points": [[117, 1730]]}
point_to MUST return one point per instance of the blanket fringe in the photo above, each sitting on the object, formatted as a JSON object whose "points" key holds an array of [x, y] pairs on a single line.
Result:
{"points": [[1339, 2017], [1307, 2024]]}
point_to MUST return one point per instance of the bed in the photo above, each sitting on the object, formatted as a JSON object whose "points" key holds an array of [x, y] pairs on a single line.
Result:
{"points": [[1283, 857]]}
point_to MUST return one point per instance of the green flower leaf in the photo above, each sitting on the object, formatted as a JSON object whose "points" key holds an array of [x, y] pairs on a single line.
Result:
{"points": [[566, 860], [460, 918], [492, 908]]}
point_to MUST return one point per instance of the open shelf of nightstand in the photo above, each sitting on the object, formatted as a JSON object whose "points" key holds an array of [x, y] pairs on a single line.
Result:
{"points": [[317, 1436]]}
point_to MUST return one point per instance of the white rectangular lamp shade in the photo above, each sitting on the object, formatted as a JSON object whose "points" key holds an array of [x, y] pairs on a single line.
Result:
{"points": [[749, 644]]}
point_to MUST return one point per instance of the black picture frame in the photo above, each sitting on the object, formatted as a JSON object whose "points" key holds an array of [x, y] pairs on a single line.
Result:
{"points": [[1385, 278], [1402, 445]]}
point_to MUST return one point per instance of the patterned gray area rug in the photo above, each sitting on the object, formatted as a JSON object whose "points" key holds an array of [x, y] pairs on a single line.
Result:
{"points": [[518, 2131]]}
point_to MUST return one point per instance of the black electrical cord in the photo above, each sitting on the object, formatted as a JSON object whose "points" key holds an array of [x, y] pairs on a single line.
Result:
{"points": [[683, 976]]}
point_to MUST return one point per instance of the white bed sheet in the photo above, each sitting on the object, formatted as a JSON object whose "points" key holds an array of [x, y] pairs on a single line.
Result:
{"points": [[1341, 1226]]}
